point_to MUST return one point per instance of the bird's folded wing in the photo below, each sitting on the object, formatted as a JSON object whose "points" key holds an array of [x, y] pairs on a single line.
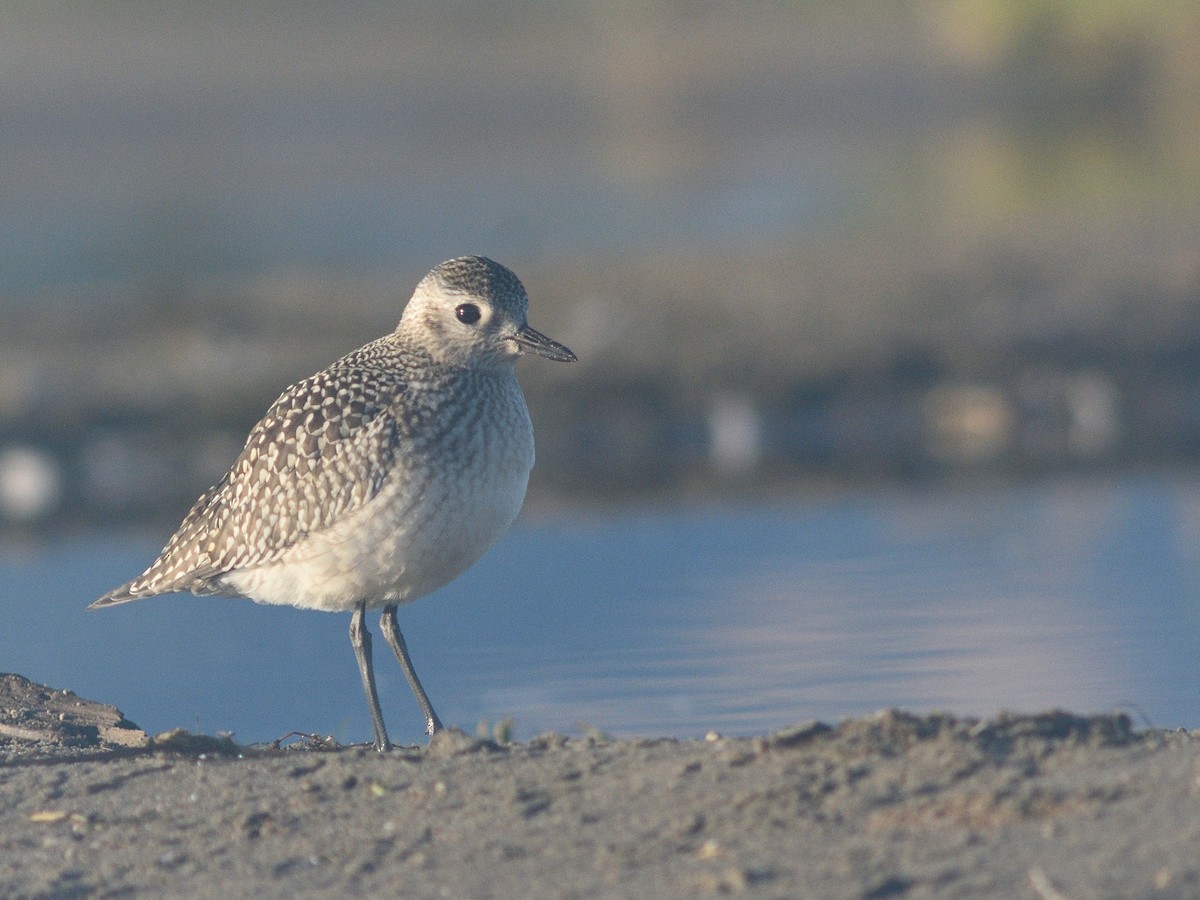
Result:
{"points": [[323, 450]]}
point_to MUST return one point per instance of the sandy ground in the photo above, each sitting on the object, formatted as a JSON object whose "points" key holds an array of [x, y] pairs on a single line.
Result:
{"points": [[892, 805]]}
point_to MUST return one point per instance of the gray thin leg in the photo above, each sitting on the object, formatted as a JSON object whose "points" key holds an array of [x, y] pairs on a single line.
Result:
{"points": [[360, 640], [391, 634]]}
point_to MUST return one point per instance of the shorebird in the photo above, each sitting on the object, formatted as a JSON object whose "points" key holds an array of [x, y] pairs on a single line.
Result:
{"points": [[380, 478]]}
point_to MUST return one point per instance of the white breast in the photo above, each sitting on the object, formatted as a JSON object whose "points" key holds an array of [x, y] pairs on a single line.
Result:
{"points": [[433, 519]]}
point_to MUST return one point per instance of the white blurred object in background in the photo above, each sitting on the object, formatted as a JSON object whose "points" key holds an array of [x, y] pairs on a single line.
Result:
{"points": [[31, 484]]}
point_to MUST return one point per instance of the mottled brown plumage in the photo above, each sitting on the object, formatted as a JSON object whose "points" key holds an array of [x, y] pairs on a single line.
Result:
{"points": [[379, 478]]}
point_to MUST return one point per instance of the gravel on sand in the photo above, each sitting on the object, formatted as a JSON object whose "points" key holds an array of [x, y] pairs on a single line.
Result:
{"points": [[891, 805]]}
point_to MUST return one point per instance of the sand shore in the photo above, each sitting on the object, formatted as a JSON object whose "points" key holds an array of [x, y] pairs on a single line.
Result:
{"points": [[891, 805]]}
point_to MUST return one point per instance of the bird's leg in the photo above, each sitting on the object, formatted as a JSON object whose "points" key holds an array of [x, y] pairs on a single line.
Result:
{"points": [[360, 640], [391, 634]]}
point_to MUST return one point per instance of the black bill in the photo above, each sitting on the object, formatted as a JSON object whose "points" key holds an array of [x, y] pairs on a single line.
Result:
{"points": [[532, 341]]}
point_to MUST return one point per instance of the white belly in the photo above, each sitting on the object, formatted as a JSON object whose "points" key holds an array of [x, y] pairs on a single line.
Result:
{"points": [[416, 535]]}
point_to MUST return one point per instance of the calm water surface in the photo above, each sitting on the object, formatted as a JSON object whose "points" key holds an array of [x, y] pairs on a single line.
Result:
{"points": [[1077, 594]]}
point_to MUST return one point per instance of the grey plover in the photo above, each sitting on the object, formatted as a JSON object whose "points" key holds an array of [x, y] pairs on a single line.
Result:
{"points": [[379, 479]]}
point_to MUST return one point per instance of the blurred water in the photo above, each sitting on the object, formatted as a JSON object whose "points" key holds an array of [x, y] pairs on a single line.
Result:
{"points": [[1077, 594]]}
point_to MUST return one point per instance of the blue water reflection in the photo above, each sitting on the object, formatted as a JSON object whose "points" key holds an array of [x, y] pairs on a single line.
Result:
{"points": [[1077, 594]]}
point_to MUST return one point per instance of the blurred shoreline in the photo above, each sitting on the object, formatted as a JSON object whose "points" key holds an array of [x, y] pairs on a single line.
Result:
{"points": [[680, 391], [794, 245]]}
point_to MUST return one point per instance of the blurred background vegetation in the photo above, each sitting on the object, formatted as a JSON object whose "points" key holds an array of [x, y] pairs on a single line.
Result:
{"points": [[798, 243]]}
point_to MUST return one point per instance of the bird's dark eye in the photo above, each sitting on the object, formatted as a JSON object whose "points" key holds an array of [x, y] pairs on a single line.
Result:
{"points": [[468, 313]]}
